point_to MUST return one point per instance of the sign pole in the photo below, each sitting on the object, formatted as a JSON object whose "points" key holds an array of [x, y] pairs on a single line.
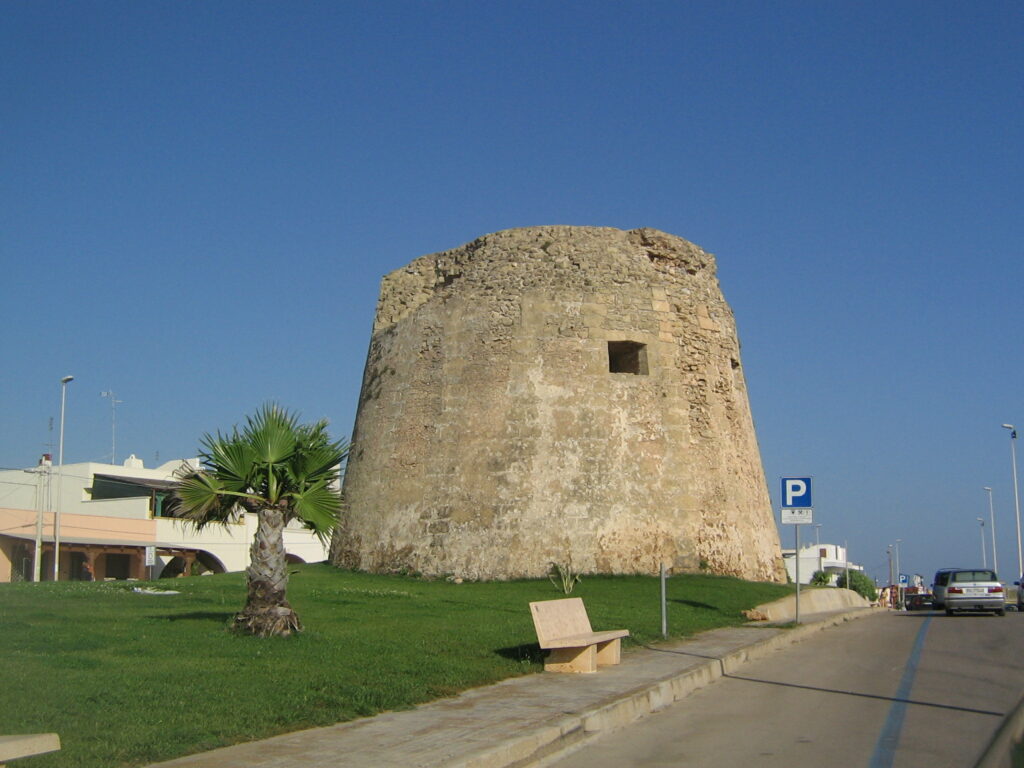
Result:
{"points": [[796, 529], [797, 509], [846, 560], [664, 605]]}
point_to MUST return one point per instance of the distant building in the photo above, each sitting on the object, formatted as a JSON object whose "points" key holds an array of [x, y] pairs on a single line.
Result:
{"points": [[112, 517], [829, 558]]}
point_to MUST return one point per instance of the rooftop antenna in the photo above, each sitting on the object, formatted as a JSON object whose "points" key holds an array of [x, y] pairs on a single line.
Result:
{"points": [[113, 422]]}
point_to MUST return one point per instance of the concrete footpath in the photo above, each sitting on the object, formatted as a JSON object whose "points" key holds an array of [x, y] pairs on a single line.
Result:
{"points": [[518, 722]]}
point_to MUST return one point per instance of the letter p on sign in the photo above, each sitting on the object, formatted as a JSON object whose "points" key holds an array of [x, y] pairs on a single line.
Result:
{"points": [[796, 492]]}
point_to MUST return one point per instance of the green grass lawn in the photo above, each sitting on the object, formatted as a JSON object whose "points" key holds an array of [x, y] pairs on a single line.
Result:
{"points": [[128, 679]]}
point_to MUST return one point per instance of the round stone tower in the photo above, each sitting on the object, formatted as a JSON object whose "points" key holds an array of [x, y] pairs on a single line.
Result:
{"points": [[567, 395]]}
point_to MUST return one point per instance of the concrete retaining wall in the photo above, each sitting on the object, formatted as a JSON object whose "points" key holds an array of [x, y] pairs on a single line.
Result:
{"points": [[817, 600]]}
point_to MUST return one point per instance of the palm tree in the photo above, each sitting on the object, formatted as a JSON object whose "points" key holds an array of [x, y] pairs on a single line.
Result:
{"points": [[280, 471]]}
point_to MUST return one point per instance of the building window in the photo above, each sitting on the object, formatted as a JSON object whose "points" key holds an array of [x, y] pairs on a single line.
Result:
{"points": [[627, 357]]}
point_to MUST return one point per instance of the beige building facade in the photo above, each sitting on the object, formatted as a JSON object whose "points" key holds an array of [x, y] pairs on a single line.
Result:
{"points": [[569, 395], [118, 521]]}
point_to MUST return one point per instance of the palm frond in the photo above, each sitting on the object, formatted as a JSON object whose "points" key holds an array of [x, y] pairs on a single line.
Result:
{"points": [[203, 501], [321, 463], [317, 507], [232, 459], [272, 432], [273, 460]]}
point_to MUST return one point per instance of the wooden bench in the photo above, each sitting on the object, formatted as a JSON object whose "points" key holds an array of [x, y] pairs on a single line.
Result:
{"points": [[564, 629], [27, 745]]}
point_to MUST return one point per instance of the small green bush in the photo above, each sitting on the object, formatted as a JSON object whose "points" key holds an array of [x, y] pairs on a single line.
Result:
{"points": [[820, 579], [564, 577], [860, 584]]}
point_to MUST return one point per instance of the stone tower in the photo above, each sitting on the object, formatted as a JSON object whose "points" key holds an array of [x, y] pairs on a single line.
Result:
{"points": [[556, 394]]}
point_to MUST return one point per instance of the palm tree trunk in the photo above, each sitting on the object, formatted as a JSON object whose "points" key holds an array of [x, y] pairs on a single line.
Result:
{"points": [[267, 612]]}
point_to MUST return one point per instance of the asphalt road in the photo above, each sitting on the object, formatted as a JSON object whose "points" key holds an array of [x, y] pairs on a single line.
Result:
{"points": [[896, 689]]}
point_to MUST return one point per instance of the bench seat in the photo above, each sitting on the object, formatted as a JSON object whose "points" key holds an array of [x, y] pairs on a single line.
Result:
{"points": [[563, 629], [587, 638], [27, 745]]}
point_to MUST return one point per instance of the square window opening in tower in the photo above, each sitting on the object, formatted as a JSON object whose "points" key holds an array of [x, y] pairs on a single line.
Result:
{"points": [[627, 357]]}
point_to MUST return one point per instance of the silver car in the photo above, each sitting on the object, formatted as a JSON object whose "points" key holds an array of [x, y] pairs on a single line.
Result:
{"points": [[974, 590], [939, 584]]}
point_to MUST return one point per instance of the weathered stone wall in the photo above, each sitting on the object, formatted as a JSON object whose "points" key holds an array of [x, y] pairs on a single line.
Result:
{"points": [[492, 439]]}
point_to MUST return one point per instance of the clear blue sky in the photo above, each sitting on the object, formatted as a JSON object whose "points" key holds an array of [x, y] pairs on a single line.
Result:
{"points": [[198, 201]]}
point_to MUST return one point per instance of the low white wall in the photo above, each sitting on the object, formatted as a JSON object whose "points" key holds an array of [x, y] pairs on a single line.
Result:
{"points": [[817, 600]]}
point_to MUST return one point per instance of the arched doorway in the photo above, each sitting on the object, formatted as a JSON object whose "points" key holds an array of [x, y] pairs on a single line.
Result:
{"points": [[191, 563]]}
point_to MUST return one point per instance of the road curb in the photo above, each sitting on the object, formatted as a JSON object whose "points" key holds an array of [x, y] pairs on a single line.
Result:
{"points": [[539, 747]]}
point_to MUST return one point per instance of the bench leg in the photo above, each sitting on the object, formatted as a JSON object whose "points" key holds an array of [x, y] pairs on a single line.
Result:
{"points": [[609, 653], [576, 660]]}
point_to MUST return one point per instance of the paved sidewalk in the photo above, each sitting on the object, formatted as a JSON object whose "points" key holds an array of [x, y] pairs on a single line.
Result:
{"points": [[517, 722]]}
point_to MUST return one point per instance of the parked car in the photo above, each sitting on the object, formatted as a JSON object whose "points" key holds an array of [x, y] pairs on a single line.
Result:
{"points": [[919, 601], [939, 586], [974, 590]]}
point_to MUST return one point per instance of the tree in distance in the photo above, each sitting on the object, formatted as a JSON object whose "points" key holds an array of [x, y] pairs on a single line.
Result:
{"points": [[860, 584], [279, 470]]}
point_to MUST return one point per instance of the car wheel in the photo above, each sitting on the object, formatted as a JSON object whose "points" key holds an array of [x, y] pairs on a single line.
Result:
{"points": [[949, 611], [1001, 612]]}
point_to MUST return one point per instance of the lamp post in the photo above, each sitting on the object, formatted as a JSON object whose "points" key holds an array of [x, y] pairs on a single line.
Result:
{"points": [[992, 528], [1016, 495], [899, 581], [846, 563], [889, 553], [60, 479], [42, 478], [984, 563]]}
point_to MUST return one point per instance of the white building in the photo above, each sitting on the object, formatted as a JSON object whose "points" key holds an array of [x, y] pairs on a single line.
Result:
{"points": [[112, 517], [829, 558]]}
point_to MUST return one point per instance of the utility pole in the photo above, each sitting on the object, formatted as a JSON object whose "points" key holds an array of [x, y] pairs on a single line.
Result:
{"points": [[846, 560], [889, 553], [60, 479], [992, 528], [42, 481], [1016, 494], [984, 563]]}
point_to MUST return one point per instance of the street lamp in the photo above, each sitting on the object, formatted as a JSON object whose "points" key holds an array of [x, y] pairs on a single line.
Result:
{"points": [[888, 551], [899, 578], [60, 479], [984, 562], [817, 535], [992, 528], [42, 479], [1016, 495]]}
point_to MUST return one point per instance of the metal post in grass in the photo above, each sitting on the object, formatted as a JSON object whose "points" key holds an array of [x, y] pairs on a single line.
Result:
{"points": [[797, 545], [664, 605], [846, 560], [60, 480]]}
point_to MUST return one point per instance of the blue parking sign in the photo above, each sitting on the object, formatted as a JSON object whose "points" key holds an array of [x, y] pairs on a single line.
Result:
{"points": [[796, 492]]}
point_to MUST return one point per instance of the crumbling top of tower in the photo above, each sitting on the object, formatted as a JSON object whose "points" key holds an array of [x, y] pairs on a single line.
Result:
{"points": [[562, 257]]}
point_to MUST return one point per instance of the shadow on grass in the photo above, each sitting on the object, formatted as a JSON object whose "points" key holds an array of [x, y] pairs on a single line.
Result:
{"points": [[527, 652], [694, 604], [218, 616]]}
